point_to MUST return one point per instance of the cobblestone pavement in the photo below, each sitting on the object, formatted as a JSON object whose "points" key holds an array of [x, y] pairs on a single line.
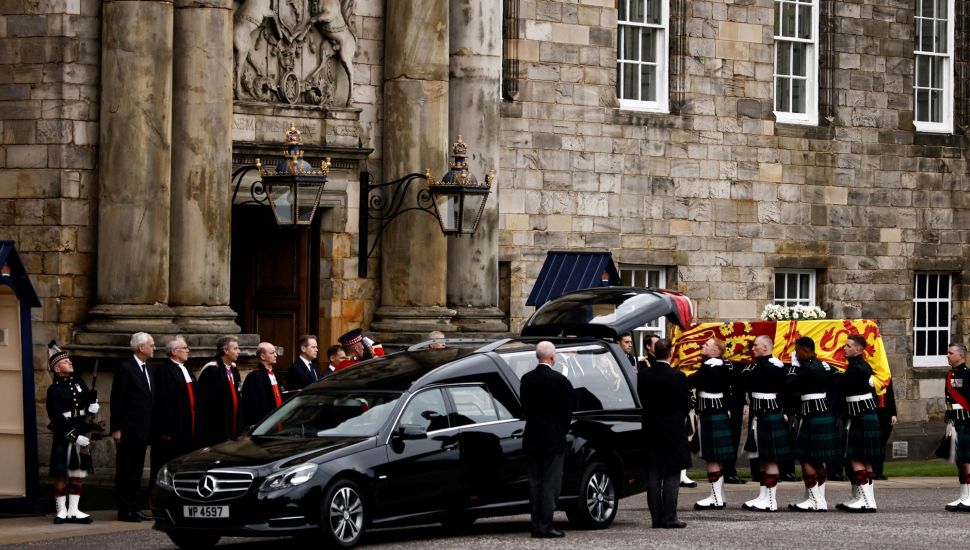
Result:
{"points": [[910, 516]]}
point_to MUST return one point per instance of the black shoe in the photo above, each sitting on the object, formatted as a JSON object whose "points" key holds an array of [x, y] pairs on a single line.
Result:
{"points": [[674, 525], [690, 485], [59, 521], [789, 477], [129, 517], [551, 534], [82, 521], [657, 525], [144, 517], [734, 480]]}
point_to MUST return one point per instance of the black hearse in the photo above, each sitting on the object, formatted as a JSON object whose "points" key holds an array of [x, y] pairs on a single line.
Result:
{"points": [[426, 435]]}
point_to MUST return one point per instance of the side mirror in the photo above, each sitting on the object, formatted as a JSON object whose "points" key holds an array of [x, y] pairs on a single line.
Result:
{"points": [[410, 431]]}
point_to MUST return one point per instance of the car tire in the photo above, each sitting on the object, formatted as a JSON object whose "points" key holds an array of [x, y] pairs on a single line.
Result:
{"points": [[193, 540], [343, 514], [597, 501]]}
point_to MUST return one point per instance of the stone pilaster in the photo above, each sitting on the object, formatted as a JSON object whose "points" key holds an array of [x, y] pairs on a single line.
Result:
{"points": [[414, 252], [201, 167], [135, 168], [475, 74]]}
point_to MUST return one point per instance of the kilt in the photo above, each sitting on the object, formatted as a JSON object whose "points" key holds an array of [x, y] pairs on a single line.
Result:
{"points": [[717, 441], [864, 438], [963, 442], [66, 460], [772, 437], [818, 440]]}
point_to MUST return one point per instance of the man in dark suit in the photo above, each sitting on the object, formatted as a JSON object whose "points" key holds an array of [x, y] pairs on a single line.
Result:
{"points": [[220, 412], [261, 392], [886, 411], [303, 372], [131, 425], [174, 411], [335, 356], [665, 399], [547, 406], [626, 344]]}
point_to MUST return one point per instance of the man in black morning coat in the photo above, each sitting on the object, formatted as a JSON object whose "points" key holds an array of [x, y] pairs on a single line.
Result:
{"points": [[219, 404], [303, 371], [131, 425], [261, 392], [174, 413], [666, 403], [547, 405]]}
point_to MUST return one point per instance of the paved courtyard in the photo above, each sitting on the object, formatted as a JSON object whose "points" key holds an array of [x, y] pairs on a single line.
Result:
{"points": [[911, 516]]}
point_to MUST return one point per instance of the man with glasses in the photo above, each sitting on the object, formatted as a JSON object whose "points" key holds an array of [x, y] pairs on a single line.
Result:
{"points": [[174, 412], [220, 410]]}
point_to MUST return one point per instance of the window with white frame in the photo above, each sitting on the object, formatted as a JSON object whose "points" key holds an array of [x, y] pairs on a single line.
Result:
{"points": [[645, 277], [795, 287], [931, 319], [933, 57], [642, 40], [796, 61]]}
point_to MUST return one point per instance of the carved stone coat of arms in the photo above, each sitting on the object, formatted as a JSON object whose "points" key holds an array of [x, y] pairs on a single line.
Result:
{"points": [[298, 52]]}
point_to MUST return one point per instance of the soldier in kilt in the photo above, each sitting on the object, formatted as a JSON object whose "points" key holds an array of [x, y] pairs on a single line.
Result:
{"points": [[863, 435], [818, 440], [68, 403], [958, 419], [768, 437], [712, 381]]}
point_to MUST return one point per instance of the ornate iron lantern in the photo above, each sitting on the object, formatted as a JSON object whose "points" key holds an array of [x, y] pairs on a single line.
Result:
{"points": [[459, 199], [294, 187]]}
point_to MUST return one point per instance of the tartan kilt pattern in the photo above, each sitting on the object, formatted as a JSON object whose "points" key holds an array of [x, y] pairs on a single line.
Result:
{"points": [[963, 443], [773, 443], [818, 440], [60, 461], [864, 438], [717, 441]]}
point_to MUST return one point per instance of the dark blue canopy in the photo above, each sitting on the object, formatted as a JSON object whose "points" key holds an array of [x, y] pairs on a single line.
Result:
{"points": [[565, 271]]}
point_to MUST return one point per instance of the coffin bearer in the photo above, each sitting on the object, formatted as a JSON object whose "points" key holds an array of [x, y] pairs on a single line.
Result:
{"points": [[547, 405], [666, 404], [303, 371], [712, 381], [132, 396], [69, 403], [864, 441], [808, 382], [958, 415], [262, 392], [219, 408], [174, 431], [626, 344], [768, 437]]}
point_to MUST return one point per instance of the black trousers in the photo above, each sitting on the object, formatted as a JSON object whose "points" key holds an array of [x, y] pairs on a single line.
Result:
{"points": [[662, 489], [545, 483], [129, 466], [885, 430]]}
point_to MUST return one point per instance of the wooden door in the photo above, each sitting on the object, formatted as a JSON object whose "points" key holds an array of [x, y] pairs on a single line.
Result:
{"points": [[274, 278]]}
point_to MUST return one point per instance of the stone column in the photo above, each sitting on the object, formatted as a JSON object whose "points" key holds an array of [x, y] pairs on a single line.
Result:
{"points": [[474, 91], [413, 250], [202, 167], [135, 168]]}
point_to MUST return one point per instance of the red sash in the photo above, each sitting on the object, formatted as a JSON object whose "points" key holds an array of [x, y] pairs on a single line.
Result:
{"points": [[955, 395], [235, 400], [276, 388], [188, 386]]}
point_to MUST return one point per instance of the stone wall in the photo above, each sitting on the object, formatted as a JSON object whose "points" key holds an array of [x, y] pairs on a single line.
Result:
{"points": [[722, 193], [49, 74]]}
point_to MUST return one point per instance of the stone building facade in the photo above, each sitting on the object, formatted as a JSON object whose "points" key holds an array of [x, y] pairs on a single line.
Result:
{"points": [[123, 122]]}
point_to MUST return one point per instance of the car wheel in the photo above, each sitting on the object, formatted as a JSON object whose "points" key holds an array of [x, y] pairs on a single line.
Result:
{"points": [[343, 514], [597, 503], [193, 540]]}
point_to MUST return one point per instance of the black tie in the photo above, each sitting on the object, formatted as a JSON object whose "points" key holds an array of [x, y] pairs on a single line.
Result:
{"points": [[144, 372]]}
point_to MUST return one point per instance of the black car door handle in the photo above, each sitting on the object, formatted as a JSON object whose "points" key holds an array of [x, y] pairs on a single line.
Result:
{"points": [[517, 434]]}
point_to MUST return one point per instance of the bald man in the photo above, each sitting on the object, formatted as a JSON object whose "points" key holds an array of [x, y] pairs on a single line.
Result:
{"points": [[261, 392], [547, 404]]}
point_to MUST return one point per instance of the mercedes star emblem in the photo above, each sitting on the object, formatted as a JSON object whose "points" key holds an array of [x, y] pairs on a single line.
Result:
{"points": [[207, 486]]}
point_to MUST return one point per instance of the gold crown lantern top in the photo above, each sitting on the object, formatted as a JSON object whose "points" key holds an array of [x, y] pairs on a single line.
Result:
{"points": [[292, 163]]}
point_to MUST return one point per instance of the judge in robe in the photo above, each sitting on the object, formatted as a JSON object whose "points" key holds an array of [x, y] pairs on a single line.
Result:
{"points": [[303, 371], [219, 405], [174, 410], [262, 392]]}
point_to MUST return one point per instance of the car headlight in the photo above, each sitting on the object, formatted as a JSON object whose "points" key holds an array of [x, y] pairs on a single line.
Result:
{"points": [[291, 477], [164, 478]]}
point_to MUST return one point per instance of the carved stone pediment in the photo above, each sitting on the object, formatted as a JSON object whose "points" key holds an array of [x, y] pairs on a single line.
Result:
{"points": [[296, 52]]}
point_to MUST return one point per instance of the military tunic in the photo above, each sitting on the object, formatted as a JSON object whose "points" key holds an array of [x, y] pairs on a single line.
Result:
{"points": [[68, 399]]}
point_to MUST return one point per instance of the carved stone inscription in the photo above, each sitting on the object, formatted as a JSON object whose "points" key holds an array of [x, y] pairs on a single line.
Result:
{"points": [[298, 52]]}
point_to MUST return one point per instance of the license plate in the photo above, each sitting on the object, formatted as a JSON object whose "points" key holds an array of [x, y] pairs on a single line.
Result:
{"points": [[206, 511]]}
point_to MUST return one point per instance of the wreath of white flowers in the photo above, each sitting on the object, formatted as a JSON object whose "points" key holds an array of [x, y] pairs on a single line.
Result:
{"points": [[774, 312]]}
